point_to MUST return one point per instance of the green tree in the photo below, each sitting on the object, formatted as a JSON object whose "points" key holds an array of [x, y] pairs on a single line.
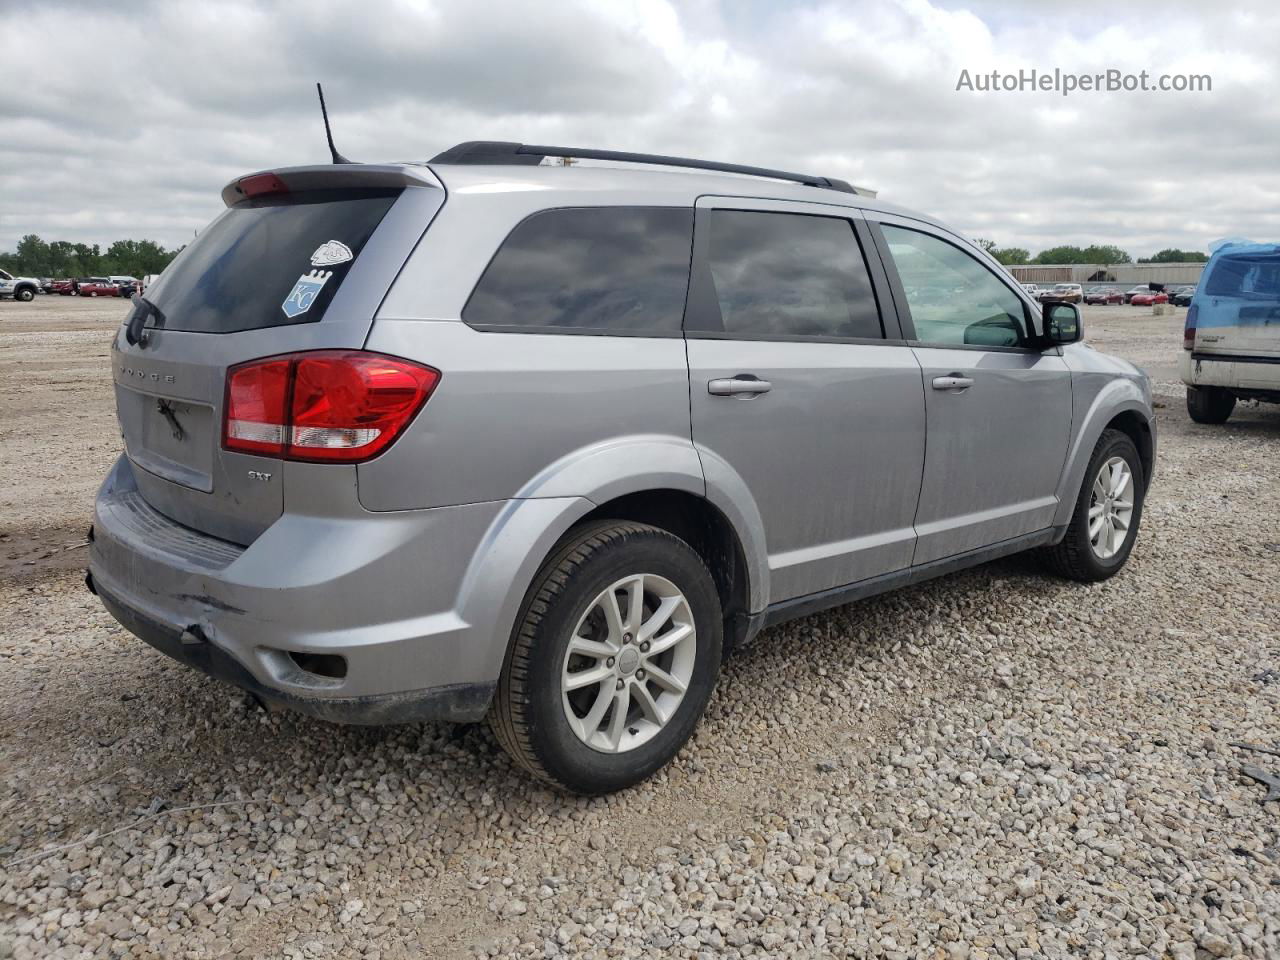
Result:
{"points": [[1174, 255], [1063, 254], [33, 254], [1006, 255], [62, 262], [1011, 255], [34, 257], [1105, 254]]}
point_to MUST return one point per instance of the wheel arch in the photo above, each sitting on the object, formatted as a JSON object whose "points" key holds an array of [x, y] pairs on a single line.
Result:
{"points": [[714, 512], [699, 523], [1138, 429], [1121, 405]]}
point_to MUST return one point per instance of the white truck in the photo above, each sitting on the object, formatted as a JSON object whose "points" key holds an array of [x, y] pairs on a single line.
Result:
{"points": [[20, 288]]}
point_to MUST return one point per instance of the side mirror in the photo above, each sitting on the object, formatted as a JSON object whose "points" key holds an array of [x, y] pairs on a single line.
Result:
{"points": [[1062, 323]]}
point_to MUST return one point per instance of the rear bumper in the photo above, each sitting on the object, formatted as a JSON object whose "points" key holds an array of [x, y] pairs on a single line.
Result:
{"points": [[454, 702], [381, 591], [1222, 370]]}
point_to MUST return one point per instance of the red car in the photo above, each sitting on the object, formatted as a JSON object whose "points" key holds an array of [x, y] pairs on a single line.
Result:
{"points": [[1147, 299], [98, 287], [64, 287], [1100, 296]]}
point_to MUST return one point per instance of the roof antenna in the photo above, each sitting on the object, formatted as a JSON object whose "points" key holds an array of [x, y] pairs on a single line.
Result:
{"points": [[333, 151]]}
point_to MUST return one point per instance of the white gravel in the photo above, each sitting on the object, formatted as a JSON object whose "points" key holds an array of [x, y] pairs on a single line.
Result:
{"points": [[996, 764]]}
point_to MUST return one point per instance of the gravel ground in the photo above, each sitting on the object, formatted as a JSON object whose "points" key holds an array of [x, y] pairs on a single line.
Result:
{"points": [[994, 764]]}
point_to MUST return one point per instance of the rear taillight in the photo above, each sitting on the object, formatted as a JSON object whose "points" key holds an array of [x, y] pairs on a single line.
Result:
{"points": [[332, 406], [1189, 329]]}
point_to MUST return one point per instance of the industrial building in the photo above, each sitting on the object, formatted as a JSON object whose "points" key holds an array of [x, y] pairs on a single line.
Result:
{"points": [[1125, 273]]}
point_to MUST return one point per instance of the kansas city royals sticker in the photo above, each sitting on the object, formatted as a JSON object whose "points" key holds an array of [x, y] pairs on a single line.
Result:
{"points": [[331, 253], [304, 292]]}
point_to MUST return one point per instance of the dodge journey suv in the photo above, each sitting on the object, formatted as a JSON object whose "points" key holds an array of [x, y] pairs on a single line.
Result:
{"points": [[493, 436]]}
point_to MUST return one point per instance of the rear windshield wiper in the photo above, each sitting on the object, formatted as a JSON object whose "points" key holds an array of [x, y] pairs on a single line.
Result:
{"points": [[136, 332]]}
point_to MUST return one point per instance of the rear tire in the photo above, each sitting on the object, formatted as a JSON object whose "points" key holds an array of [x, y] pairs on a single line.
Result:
{"points": [[537, 692], [1210, 404], [1078, 556]]}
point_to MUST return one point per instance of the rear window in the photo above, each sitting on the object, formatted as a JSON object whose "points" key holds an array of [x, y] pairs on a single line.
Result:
{"points": [[1245, 277], [268, 262], [589, 270]]}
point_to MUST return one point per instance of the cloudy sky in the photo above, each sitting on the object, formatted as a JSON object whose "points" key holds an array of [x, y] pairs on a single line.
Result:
{"points": [[126, 119]]}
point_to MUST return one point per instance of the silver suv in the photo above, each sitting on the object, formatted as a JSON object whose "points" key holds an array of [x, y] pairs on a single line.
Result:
{"points": [[494, 436]]}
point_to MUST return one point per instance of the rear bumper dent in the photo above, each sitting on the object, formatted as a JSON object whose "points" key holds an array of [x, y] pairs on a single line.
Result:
{"points": [[379, 596], [461, 702]]}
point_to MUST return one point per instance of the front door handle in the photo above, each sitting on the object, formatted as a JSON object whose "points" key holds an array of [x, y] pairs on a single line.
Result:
{"points": [[743, 385], [953, 382]]}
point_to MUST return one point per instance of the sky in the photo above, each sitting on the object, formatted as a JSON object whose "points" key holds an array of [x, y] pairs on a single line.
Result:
{"points": [[125, 120]]}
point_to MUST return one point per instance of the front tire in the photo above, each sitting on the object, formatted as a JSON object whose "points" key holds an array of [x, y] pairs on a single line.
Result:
{"points": [[1108, 510], [1210, 404], [614, 657], [26, 295]]}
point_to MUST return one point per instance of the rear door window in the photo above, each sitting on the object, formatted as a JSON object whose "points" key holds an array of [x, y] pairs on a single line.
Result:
{"points": [[788, 276], [621, 270], [268, 262]]}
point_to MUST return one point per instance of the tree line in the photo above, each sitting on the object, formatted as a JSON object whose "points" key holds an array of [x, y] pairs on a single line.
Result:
{"points": [[125, 258], [1104, 254]]}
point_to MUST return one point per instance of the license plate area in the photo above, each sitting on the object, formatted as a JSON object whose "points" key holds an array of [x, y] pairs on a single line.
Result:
{"points": [[170, 438]]}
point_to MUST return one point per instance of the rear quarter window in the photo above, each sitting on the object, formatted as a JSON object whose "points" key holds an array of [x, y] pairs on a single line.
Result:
{"points": [[621, 270], [245, 271]]}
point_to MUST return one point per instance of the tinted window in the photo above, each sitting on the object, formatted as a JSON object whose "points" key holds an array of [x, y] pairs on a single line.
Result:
{"points": [[785, 274], [953, 298], [240, 271], [622, 269]]}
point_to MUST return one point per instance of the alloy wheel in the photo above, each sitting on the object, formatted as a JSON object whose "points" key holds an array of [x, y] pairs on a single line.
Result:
{"points": [[628, 664], [1110, 508]]}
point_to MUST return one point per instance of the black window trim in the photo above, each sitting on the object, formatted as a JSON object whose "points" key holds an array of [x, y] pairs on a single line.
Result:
{"points": [[702, 304], [551, 329], [875, 223]]}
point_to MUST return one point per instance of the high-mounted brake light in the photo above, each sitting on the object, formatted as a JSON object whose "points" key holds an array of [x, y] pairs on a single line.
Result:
{"points": [[261, 184], [330, 406], [1189, 329]]}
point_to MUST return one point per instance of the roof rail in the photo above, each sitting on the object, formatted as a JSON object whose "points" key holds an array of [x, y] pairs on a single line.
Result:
{"points": [[501, 152]]}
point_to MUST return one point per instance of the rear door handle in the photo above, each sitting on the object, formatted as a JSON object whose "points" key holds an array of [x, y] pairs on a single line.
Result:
{"points": [[742, 385], [952, 382]]}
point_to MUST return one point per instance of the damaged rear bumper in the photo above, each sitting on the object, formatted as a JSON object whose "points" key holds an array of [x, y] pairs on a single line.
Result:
{"points": [[456, 702], [373, 597]]}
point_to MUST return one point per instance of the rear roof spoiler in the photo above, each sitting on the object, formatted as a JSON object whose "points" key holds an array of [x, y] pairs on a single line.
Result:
{"points": [[337, 177], [507, 153]]}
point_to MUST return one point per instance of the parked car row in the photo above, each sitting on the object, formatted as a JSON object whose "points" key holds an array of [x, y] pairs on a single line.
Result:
{"points": [[114, 286], [1143, 295]]}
